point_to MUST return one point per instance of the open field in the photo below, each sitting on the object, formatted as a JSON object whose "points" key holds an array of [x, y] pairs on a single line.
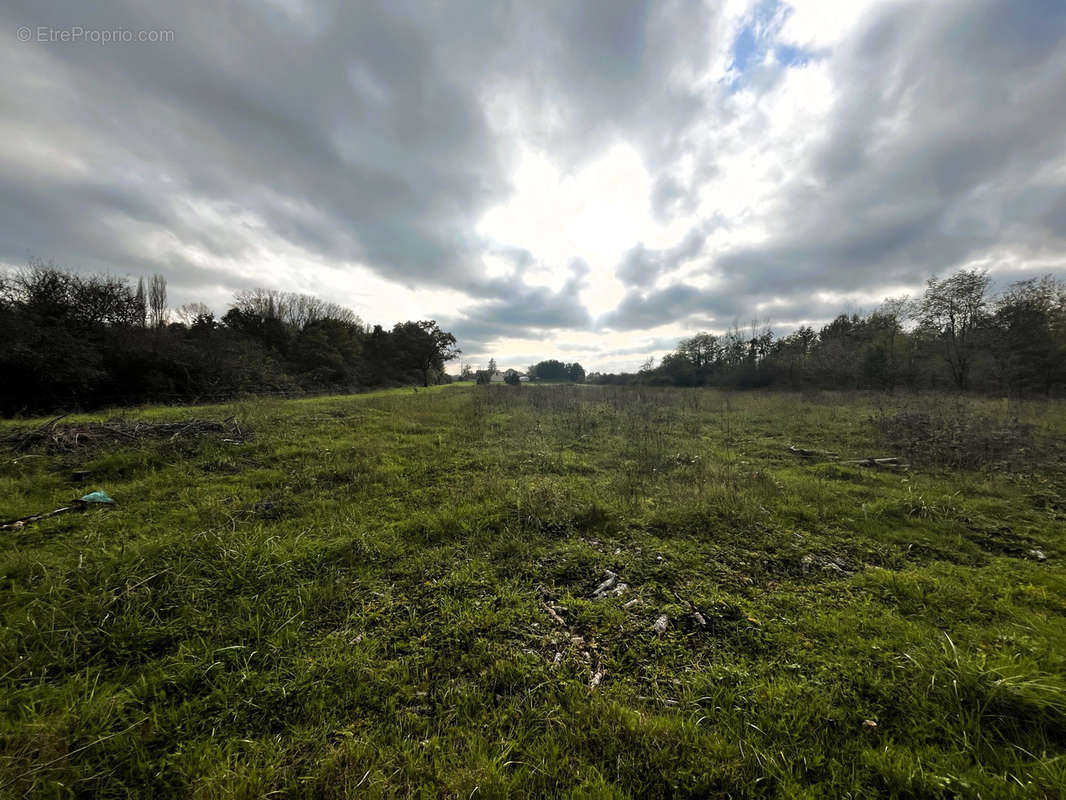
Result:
{"points": [[392, 595]]}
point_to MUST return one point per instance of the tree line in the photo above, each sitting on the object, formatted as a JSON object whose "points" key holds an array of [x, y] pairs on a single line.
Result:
{"points": [[555, 370], [75, 341], [956, 335], [548, 370], [85, 341]]}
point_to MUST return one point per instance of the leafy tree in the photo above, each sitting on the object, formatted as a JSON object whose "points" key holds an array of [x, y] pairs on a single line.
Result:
{"points": [[326, 353], [551, 370], [554, 370], [701, 350], [264, 328], [423, 346], [956, 308], [792, 355], [1029, 343]]}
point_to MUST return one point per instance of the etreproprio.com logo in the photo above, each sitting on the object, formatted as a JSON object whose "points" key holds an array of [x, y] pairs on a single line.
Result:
{"points": [[77, 34]]}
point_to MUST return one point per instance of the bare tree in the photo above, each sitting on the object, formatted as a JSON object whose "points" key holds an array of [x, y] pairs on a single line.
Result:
{"points": [[295, 310], [157, 301], [190, 312], [886, 323], [141, 301]]}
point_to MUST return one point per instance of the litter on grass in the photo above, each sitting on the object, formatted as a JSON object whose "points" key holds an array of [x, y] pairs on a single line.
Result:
{"points": [[97, 498]]}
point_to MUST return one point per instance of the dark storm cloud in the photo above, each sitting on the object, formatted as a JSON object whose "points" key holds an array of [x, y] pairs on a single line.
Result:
{"points": [[713, 309], [380, 133], [948, 121], [605, 68], [947, 116], [348, 116], [356, 132], [641, 266], [640, 311], [518, 311]]}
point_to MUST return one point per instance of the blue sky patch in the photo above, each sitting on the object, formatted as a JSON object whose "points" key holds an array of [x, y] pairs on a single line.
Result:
{"points": [[758, 37]]}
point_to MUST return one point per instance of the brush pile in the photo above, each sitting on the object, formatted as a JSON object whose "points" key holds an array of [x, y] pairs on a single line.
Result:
{"points": [[958, 436], [55, 438]]}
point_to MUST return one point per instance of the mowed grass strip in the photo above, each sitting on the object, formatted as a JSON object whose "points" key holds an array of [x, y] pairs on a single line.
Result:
{"points": [[395, 595]]}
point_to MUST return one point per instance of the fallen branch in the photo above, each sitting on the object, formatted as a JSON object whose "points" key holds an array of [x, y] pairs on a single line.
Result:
{"points": [[79, 504], [802, 451], [696, 615], [18, 523], [885, 462], [554, 615]]}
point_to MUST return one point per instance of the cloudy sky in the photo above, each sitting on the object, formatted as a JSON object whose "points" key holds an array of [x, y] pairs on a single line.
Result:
{"points": [[584, 179]]}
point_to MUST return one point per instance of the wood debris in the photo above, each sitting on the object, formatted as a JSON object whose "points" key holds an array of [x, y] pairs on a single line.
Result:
{"points": [[54, 438], [554, 615], [808, 453], [606, 586], [884, 462], [18, 523], [877, 462]]}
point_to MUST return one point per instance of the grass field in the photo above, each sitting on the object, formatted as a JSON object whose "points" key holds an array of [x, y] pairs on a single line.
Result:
{"points": [[392, 595]]}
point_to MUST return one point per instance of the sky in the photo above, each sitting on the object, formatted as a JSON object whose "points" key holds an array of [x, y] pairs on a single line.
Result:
{"points": [[588, 181]]}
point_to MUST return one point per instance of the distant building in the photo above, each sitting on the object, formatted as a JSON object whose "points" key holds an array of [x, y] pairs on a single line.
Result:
{"points": [[512, 375]]}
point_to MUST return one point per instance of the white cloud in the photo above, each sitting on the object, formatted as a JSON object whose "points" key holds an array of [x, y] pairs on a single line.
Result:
{"points": [[817, 24]]}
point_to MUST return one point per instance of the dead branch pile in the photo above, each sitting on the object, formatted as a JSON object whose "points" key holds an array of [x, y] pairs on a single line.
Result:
{"points": [[55, 438], [956, 437]]}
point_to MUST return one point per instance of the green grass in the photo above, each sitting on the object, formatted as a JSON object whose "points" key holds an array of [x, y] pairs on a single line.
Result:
{"points": [[353, 602]]}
